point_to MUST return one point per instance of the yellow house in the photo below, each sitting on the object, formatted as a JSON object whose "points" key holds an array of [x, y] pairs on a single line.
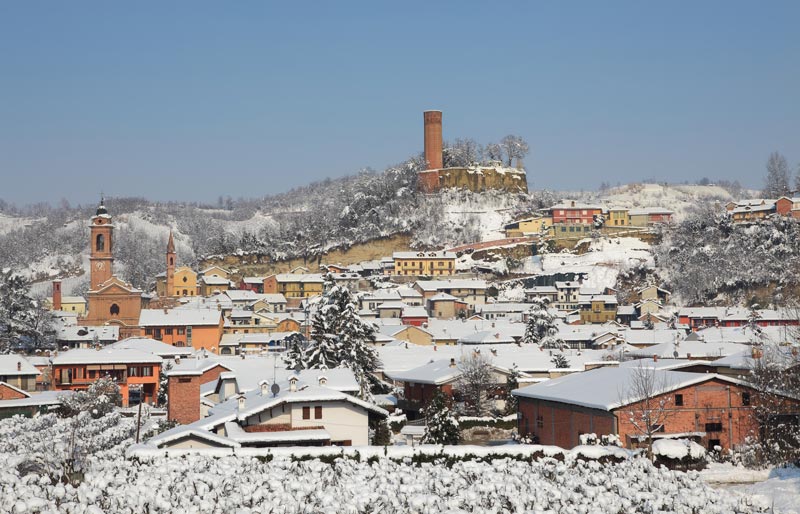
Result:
{"points": [[412, 334], [76, 304], [294, 285], [617, 217], [598, 308], [424, 263], [185, 281], [527, 226]]}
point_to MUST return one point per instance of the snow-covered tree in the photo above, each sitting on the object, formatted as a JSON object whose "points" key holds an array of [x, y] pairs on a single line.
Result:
{"points": [[22, 319], [475, 382], [441, 425], [163, 383], [99, 399], [512, 382], [295, 356], [541, 327], [777, 179], [560, 361], [340, 338], [381, 435]]}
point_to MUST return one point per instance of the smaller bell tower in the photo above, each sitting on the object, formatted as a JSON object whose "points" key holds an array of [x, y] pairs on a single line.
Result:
{"points": [[100, 258], [170, 266]]}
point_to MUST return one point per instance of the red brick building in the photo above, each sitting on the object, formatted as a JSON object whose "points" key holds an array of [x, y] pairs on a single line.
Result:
{"points": [[712, 409], [183, 387]]}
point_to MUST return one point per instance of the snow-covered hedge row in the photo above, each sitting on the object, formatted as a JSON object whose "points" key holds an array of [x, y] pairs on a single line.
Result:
{"points": [[421, 479], [198, 483]]}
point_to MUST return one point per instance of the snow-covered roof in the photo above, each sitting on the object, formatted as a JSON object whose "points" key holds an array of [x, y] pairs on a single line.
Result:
{"points": [[14, 365], [609, 388], [35, 399], [442, 254], [106, 356], [178, 317], [194, 366], [272, 298], [414, 312], [438, 285], [145, 344], [300, 277], [572, 204], [214, 280], [541, 290], [649, 211], [87, 334], [605, 298], [408, 292], [443, 297], [503, 307], [486, 337], [237, 433], [392, 305], [436, 372], [686, 349], [242, 295]]}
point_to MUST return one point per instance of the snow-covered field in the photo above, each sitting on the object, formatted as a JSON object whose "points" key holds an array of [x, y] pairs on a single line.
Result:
{"points": [[602, 263], [779, 487], [32, 450]]}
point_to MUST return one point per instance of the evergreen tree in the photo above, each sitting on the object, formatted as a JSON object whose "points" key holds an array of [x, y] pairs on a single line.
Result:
{"points": [[381, 436], [21, 317], [560, 361], [162, 384], [541, 328], [295, 357], [512, 382], [441, 426], [340, 338]]}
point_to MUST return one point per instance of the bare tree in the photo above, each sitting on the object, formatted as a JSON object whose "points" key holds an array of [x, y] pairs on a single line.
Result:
{"points": [[475, 382], [777, 180], [514, 147], [646, 407]]}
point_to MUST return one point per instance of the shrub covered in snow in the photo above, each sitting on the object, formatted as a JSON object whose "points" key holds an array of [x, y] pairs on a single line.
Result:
{"points": [[679, 453]]}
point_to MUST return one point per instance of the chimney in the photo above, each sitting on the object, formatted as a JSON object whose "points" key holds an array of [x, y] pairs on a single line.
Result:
{"points": [[56, 295], [293, 383], [435, 348], [655, 358], [452, 362], [323, 380], [264, 387], [19, 366], [433, 139], [241, 402], [177, 359]]}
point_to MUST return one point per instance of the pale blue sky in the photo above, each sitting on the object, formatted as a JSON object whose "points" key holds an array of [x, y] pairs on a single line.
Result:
{"points": [[192, 100]]}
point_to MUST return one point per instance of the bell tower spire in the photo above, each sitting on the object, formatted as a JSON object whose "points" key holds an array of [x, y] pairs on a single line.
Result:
{"points": [[100, 258], [171, 266]]}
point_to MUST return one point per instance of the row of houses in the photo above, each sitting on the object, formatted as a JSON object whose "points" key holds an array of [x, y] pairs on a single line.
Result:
{"points": [[760, 208], [572, 216]]}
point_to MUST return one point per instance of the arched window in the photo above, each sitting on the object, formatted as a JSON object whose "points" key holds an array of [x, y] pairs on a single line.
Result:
{"points": [[114, 309], [100, 246], [171, 261]]}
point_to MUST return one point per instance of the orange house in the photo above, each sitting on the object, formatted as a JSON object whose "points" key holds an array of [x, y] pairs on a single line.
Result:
{"points": [[198, 328], [75, 370]]}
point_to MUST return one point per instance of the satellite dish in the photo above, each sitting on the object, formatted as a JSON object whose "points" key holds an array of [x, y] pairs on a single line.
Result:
{"points": [[675, 354], [275, 389]]}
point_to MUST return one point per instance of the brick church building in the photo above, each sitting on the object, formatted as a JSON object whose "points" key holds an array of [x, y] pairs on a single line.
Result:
{"points": [[111, 301]]}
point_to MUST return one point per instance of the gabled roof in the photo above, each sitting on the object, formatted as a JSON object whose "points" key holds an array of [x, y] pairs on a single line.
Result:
{"points": [[438, 285], [106, 356], [610, 388], [79, 333], [436, 372], [146, 344], [179, 317], [424, 255], [486, 337]]}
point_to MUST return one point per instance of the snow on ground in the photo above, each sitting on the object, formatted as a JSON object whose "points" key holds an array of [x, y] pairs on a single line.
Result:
{"points": [[359, 480], [602, 263], [9, 223], [487, 211], [777, 487], [678, 198]]}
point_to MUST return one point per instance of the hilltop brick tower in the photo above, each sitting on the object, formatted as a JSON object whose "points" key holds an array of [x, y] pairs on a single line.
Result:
{"points": [[101, 258], [170, 266], [429, 179]]}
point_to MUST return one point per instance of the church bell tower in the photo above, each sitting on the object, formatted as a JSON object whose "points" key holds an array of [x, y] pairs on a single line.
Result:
{"points": [[170, 266], [100, 257]]}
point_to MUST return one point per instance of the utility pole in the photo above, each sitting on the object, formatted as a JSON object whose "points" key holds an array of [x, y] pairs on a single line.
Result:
{"points": [[139, 421]]}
